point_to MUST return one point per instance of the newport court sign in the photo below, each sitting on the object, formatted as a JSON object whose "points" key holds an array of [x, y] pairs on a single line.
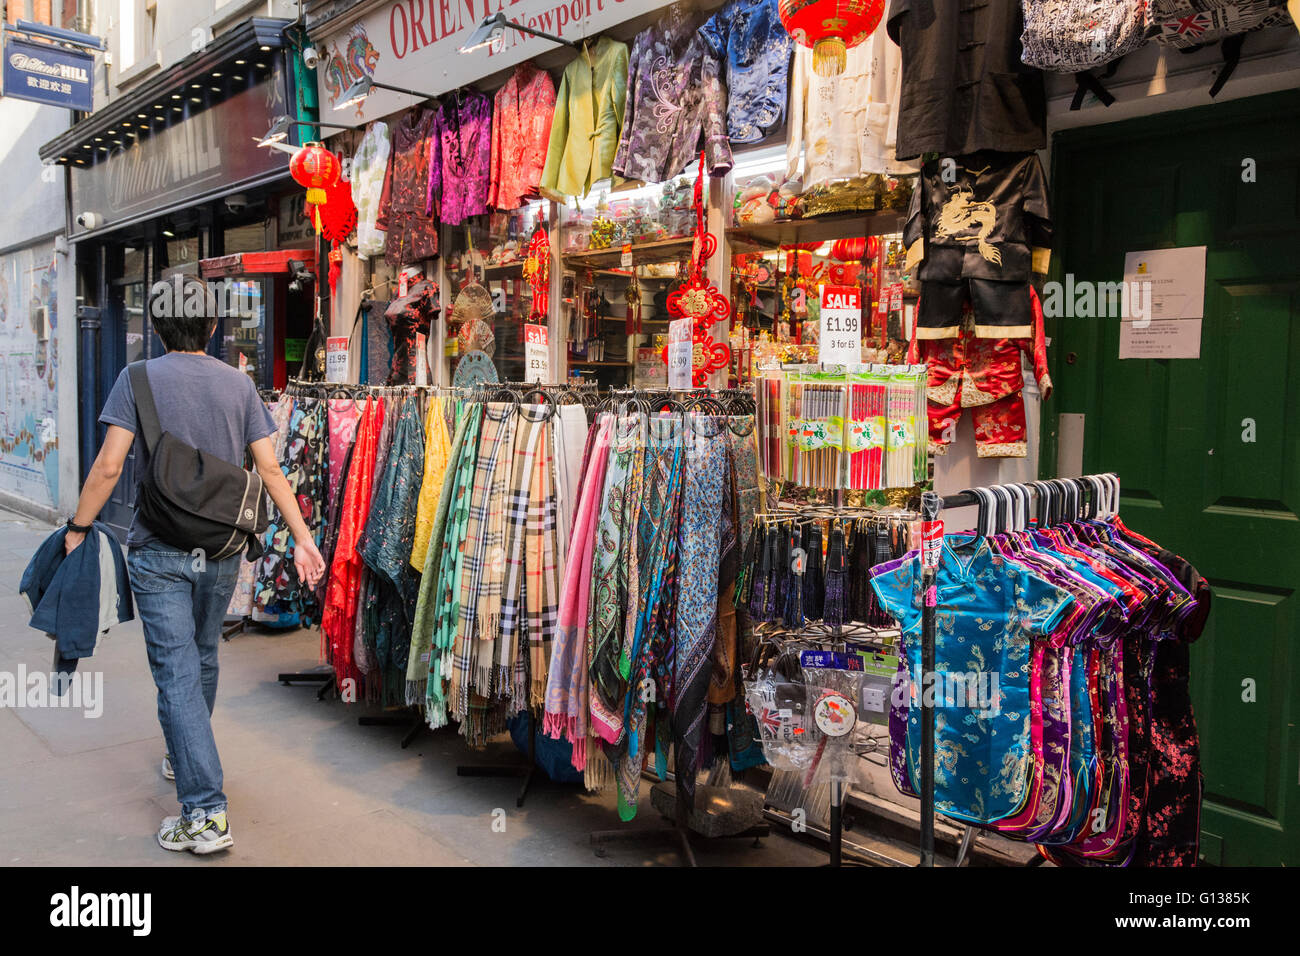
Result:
{"points": [[48, 74]]}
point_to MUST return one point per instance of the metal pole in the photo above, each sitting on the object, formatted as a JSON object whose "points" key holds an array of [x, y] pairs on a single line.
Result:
{"points": [[929, 512], [89, 317]]}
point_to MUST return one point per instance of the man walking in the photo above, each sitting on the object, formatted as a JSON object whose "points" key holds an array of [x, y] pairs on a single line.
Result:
{"points": [[181, 597]]}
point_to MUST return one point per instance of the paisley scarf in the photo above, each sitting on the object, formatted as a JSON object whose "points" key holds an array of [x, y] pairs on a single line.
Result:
{"points": [[436, 451], [699, 546]]}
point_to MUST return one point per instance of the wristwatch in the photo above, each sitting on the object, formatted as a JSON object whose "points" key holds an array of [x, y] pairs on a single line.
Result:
{"points": [[79, 528]]}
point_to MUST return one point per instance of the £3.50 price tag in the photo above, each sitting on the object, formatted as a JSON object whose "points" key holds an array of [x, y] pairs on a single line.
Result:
{"points": [[537, 360]]}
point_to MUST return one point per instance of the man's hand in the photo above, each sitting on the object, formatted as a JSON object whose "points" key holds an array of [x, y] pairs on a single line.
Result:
{"points": [[73, 540], [307, 559]]}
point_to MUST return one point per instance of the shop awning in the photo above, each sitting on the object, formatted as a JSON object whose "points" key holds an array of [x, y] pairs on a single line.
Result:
{"points": [[235, 61]]}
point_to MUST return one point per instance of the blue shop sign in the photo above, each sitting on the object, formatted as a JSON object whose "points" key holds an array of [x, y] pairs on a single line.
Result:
{"points": [[48, 74]]}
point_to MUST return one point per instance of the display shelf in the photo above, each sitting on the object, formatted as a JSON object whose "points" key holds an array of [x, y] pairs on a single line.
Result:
{"points": [[659, 250], [506, 269], [757, 237], [600, 364]]}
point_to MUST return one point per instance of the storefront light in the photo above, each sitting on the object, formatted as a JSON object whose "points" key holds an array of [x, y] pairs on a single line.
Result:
{"points": [[358, 91], [279, 130], [492, 28]]}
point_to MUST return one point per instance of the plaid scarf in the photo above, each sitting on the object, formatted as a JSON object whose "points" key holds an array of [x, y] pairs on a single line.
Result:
{"points": [[470, 577], [494, 557], [511, 668], [418, 664], [541, 587], [447, 596]]}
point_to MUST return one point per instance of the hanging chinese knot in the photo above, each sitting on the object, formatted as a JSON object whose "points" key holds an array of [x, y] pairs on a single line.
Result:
{"points": [[537, 273], [699, 300]]}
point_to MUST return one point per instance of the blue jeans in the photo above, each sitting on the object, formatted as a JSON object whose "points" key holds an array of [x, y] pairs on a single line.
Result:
{"points": [[182, 603]]}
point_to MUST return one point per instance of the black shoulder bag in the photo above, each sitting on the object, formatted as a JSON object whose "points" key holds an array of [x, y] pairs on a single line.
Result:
{"points": [[190, 499]]}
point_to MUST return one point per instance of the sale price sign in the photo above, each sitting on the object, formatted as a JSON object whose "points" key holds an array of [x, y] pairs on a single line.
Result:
{"points": [[840, 342], [537, 353], [679, 353]]}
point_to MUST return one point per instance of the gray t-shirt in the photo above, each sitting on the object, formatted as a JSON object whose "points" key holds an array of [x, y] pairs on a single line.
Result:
{"points": [[201, 400]]}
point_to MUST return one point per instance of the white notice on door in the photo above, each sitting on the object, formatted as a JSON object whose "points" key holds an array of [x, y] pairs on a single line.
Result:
{"points": [[1163, 303]]}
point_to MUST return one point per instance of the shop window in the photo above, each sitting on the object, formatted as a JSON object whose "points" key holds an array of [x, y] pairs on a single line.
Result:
{"points": [[489, 298], [624, 249], [784, 255]]}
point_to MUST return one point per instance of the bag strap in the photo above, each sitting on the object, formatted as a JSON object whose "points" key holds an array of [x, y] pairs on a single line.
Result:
{"points": [[144, 405], [1231, 57]]}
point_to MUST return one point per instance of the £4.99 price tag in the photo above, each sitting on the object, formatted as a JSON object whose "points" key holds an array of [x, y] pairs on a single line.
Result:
{"points": [[679, 353], [537, 360], [840, 341]]}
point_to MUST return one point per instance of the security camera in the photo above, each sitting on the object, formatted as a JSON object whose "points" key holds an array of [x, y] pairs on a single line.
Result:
{"points": [[310, 57], [237, 202], [89, 220]]}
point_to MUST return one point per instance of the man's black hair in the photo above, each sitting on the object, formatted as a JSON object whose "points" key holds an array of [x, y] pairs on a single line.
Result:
{"points": [[183, 311]]}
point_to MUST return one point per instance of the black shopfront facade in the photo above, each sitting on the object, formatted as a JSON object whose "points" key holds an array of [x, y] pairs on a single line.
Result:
{"points": [[165, 179]]}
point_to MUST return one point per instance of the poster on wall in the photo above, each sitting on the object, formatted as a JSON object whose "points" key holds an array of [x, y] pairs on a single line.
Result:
{"points": [[29, 368], [1162, 303]]}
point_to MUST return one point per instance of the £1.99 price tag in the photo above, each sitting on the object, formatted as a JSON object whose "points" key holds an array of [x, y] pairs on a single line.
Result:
{"points": [[537, 354], [840, 341]]}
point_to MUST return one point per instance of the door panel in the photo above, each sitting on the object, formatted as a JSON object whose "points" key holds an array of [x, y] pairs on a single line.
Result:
{"points": [[1208, 449]]}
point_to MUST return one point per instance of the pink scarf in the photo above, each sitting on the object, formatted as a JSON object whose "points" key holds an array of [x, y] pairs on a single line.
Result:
{"points": [[567, 687]]}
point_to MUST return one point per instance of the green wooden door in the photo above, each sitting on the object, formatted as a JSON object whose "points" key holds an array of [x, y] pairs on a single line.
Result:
{"points": [[1207, 450]]}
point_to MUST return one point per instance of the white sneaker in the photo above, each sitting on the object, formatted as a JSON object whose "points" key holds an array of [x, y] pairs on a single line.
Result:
{"points": [[202, 836], [167, 771]]}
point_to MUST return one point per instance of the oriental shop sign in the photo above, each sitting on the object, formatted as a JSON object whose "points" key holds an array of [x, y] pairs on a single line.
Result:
{"points": [[415, 44]]}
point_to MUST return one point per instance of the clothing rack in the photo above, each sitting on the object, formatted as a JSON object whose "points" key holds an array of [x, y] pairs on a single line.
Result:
{"points": [[1074, 494], [840, 636]]}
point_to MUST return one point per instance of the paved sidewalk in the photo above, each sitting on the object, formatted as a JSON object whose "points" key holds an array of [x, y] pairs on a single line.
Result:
{"points": [[306, 784]]}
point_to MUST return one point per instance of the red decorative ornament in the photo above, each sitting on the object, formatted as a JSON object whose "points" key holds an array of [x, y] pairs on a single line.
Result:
{"points": [[537, 273], [315, 168], [336, 217], [849, 250], [699, 300], [831, 28]]}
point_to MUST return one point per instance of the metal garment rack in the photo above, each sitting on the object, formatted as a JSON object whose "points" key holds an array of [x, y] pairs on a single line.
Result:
{"points": [[840, 636]]}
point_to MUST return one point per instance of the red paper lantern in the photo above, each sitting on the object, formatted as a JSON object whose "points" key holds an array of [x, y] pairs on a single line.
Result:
{"points": [[316, 168], [848, 250], [830, 27]]}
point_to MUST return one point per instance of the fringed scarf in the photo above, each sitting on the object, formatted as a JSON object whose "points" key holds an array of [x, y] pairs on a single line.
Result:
{"points": [[447, 598], [609, 584], [699, 547], [470, 575], [419, 666], [510, 665], [541, 582], [494, 560], [338, 621], [566, 682], [655, 534]]}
